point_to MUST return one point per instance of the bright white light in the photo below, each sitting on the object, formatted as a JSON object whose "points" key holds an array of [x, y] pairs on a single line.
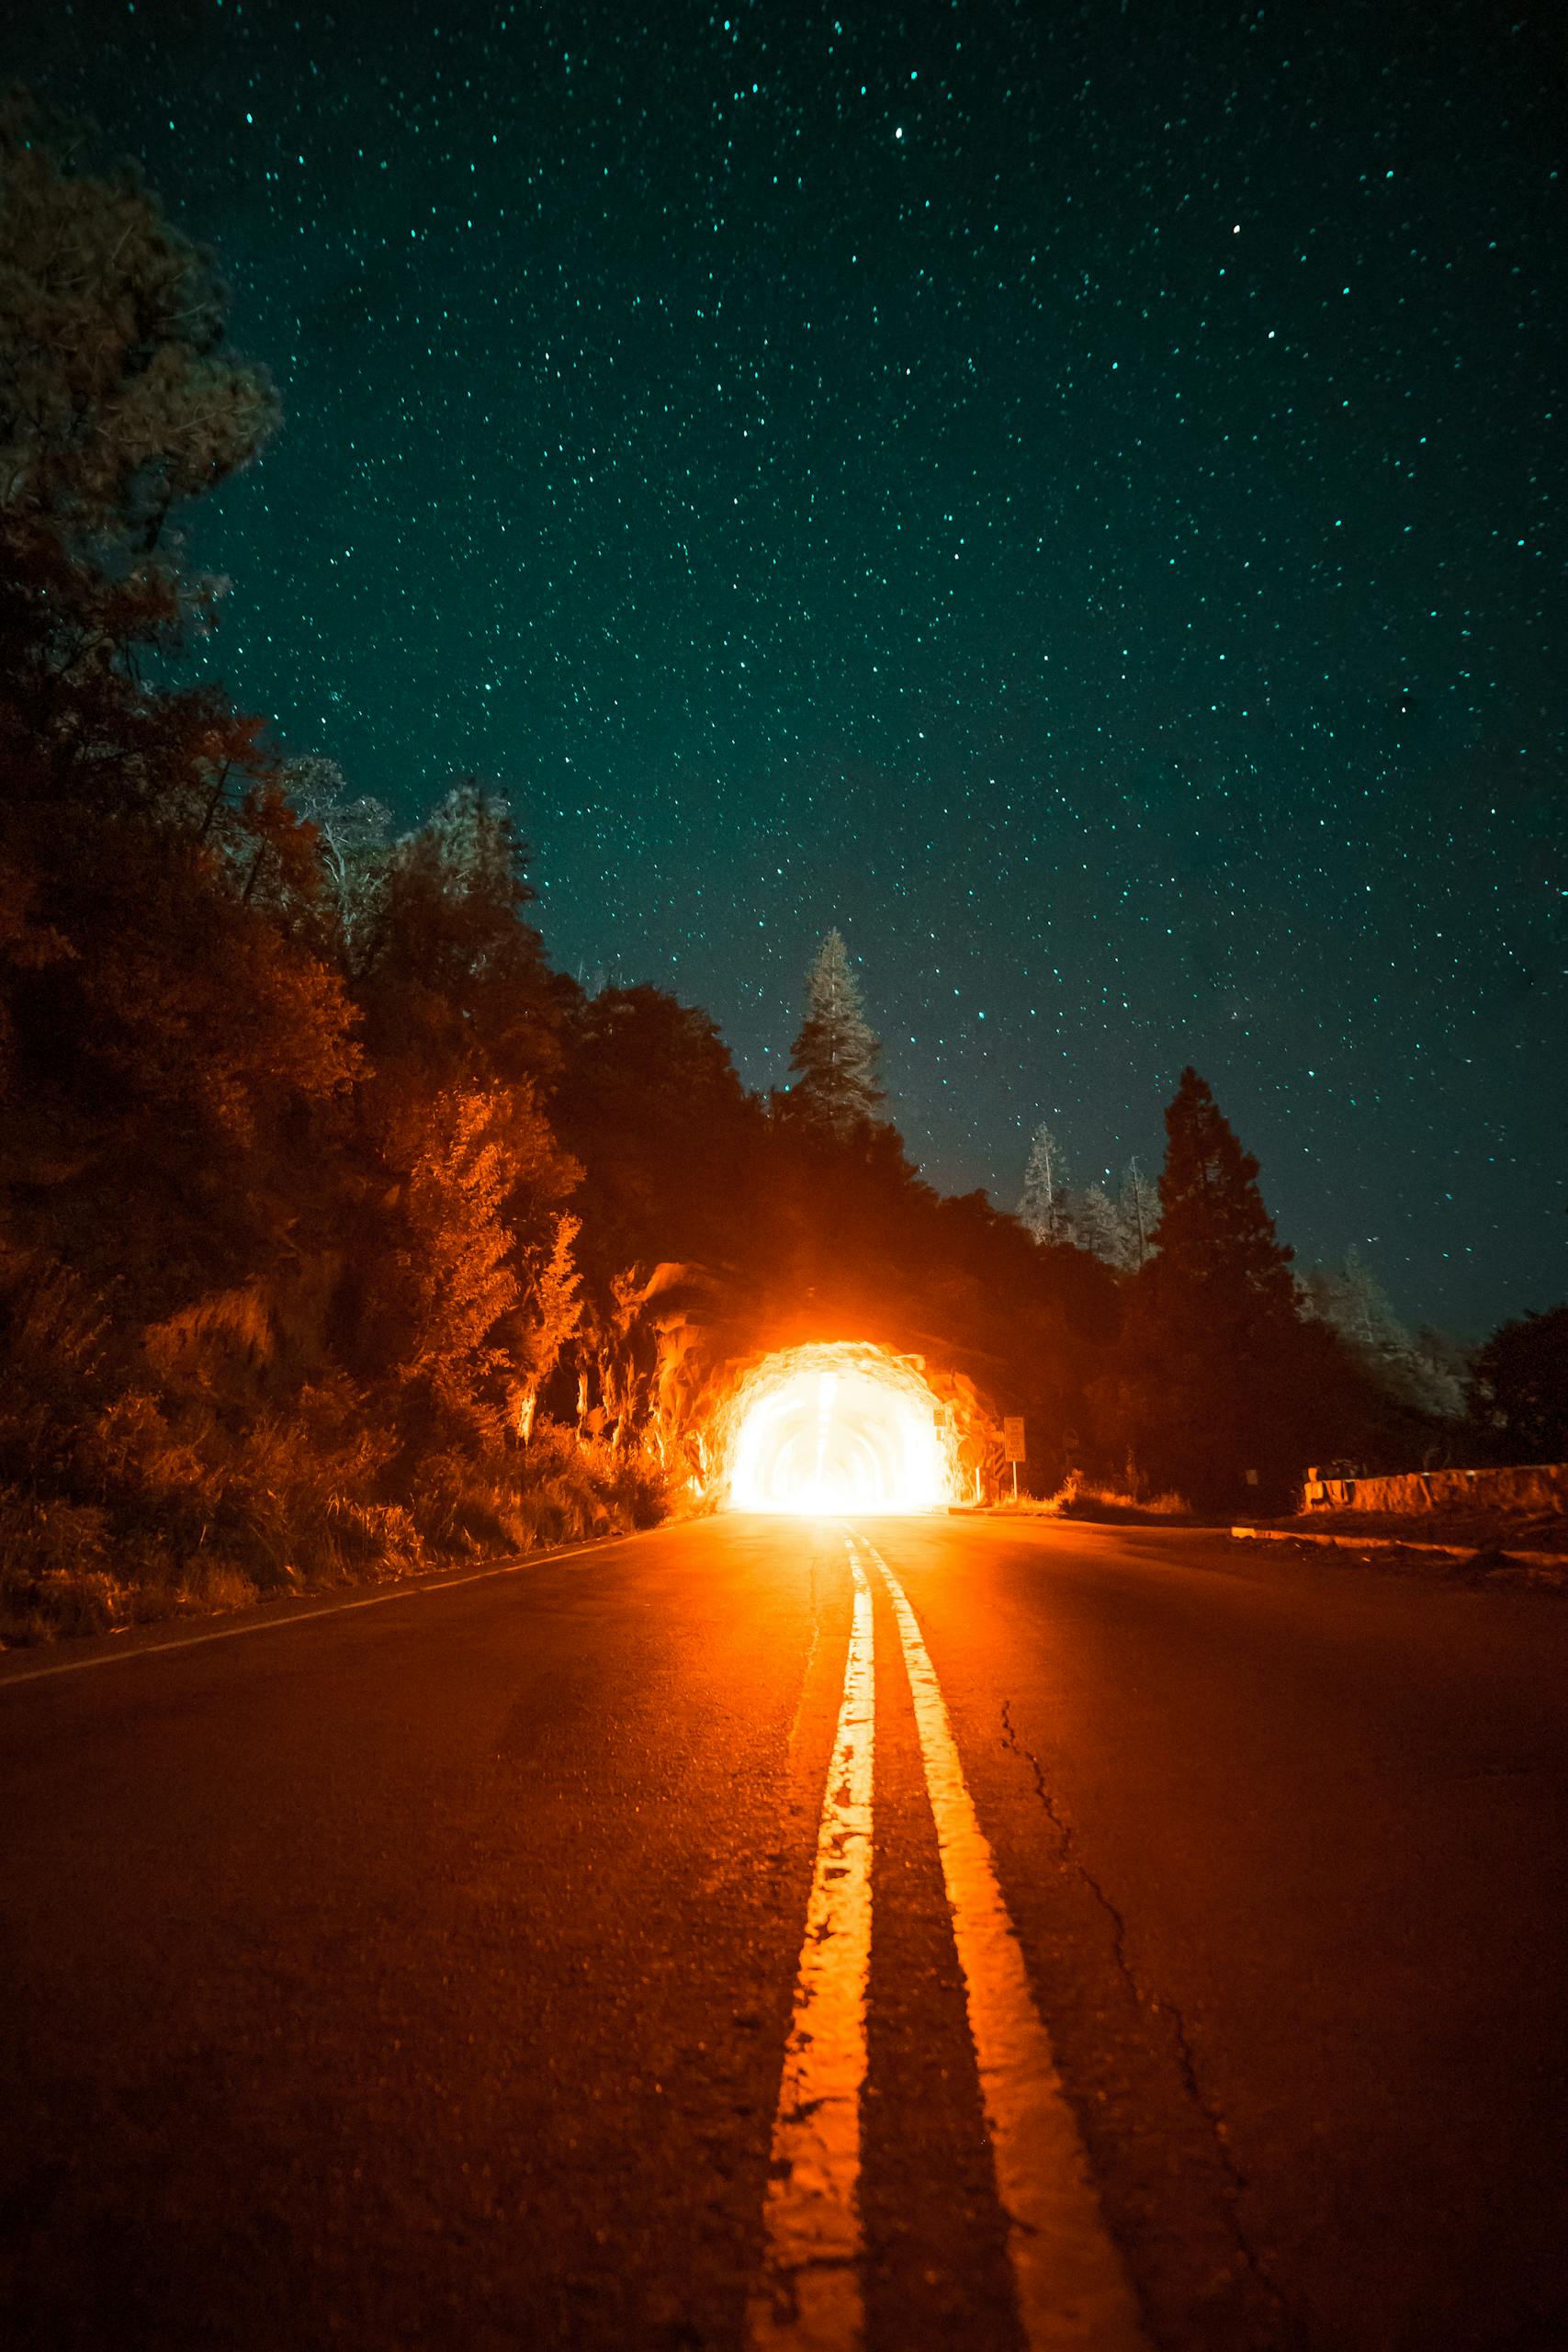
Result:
{"points": [[830, 1430]]}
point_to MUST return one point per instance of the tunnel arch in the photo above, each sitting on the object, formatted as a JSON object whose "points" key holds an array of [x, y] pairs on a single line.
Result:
{"points": [[837, 1427]]}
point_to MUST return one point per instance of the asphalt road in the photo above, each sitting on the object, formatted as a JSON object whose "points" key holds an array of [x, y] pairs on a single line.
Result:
{"points": [[437, 1973]]}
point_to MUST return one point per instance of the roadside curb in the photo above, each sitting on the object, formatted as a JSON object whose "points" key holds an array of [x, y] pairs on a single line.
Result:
{"points": [[1524, 1559]]}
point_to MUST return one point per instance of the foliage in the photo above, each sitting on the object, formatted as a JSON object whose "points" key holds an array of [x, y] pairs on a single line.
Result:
{"points": [[1220, 1375], [1518, 1389], [1414, 1369], [649, 1104], [282, 1207], [835, 1055], [453, 974], [116, 398], [1047, 1205]]}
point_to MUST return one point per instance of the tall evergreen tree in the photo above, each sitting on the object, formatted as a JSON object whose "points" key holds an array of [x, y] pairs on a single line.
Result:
{"points": [[1225, 1373], [1138, 1203], [1046, 1207], [1413, 1370], [1119, 1230], [835, 1057], [1098, 1228], [1214, 1238]]}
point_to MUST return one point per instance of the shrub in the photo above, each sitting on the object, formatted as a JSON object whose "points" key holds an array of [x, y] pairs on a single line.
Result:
{"points": [[53, 1577]]}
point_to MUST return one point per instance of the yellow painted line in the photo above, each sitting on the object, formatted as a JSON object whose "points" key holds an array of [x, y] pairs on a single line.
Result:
{"points": [[1072, 2288], [809, 2298]]}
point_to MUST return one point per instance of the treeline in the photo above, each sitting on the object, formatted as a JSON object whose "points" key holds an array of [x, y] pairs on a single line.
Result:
{"points": [[339, 1233], [1423, 1369]]}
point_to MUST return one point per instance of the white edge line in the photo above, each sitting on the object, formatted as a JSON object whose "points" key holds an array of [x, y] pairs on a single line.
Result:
{"points": [[410, 1591]]}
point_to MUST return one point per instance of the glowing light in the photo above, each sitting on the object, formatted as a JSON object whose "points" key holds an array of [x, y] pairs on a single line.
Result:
{"points": [[831, 1431]]}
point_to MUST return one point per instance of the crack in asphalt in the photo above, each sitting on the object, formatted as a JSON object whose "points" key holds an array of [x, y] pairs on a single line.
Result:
{"points": [[1157, 2005]]}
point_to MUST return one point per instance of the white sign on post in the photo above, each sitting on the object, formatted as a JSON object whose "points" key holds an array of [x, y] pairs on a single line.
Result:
{"points": [[1012, 1438]]}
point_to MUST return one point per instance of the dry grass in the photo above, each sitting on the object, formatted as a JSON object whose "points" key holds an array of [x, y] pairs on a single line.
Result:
{"points": [[1166, 1506], [1079, 1498]]}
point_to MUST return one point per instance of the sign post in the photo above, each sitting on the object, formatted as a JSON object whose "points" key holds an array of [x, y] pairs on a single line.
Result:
{"points": [[1013, 1447]]}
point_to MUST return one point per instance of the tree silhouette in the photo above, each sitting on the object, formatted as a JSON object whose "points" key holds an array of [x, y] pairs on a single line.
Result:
{"points": [[1215, 1239], [1138, 1203], [1224, 1377], [1520, 1387], [834, 1057], [118, 398]]}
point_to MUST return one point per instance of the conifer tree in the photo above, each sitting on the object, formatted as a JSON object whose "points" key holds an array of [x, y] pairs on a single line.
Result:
{"points": [[1099, 1226], [1046, 1207], [834, 1057], [1414, 1369], [1138, 1203], [1225, 1377], [1215, 1239]]}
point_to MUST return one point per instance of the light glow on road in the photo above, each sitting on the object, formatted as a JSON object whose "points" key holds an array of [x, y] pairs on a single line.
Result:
{"points": [[825, 1430]]}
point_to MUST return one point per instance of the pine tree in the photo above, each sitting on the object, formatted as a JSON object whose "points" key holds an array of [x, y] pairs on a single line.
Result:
{"points": [[835, 1057], [1046, 1206], [1223, 1378], [1412, 1370], [449, 969], [1138, 1203], [1120, 1231], [1214, 1238], [1098, 1227]]}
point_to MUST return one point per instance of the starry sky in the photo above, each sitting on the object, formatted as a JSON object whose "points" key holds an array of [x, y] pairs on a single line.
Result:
{"points": [[1071, 493]]}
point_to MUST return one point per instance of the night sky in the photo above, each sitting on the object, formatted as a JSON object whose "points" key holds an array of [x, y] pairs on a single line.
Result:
{"points": [[1071, 495]]}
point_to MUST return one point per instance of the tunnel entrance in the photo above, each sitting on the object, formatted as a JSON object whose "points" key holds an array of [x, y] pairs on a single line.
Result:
{"points": [[830, 1429]]}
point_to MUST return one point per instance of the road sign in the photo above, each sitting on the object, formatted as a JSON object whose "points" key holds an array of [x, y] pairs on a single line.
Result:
{"points": [[1012, 1438]]}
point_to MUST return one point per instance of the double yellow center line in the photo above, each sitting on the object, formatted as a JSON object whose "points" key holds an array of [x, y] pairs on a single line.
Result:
{"points": [[1070, 2284]]}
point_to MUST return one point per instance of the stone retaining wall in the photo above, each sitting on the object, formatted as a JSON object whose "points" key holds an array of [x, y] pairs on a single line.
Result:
{"points": [[1539, 1486]]}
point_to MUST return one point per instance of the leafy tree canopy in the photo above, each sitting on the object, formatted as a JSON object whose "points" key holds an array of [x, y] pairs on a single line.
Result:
{"points": [[118, 398]]}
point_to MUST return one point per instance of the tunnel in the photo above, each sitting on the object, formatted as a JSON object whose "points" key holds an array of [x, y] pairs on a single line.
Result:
{"points": [[834, 1428]]}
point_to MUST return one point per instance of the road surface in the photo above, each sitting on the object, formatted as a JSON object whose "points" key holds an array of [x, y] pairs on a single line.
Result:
{"points": [[571, 1957]]}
